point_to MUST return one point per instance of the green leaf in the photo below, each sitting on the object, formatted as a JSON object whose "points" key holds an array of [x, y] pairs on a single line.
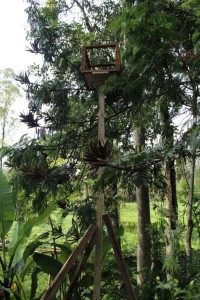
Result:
{"points": [[34, 282], [106, 248], [48, 264], [27, 267], [30, 249], [182, 294], [18, 244], [6, 206], [120, 231], [65, 252]]}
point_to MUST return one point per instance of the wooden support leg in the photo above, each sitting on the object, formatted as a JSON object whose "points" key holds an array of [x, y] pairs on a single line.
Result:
{"points": [[119, 258], [80, 267], [69, 263]]}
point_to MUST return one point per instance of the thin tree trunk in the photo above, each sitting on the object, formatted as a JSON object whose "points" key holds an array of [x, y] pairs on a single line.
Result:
{"points": [[115, 213], [86, 19], [171, 204], [171, 198], [188, 245], [143, 223], [143, 230], [189, 229], [3, 138], [112, 205]]}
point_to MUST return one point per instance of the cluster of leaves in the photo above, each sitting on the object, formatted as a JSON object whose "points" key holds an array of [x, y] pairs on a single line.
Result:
{"points": [[159, 70]]}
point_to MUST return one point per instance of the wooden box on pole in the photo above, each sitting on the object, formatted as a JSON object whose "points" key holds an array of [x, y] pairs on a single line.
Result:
{"points": [[95, 75], [97, 64]]}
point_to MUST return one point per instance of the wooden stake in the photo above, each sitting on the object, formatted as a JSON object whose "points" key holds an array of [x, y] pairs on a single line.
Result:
{"points": [[99, 207]]}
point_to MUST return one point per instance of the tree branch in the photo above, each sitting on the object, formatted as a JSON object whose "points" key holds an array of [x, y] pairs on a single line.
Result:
{"points": [[87, 23]]}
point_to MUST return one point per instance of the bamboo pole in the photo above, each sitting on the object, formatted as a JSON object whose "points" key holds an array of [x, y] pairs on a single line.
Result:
{"points": [[99, 206]]}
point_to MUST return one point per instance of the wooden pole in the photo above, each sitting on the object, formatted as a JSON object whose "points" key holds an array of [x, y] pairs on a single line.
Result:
{"points": [[99, 206], [101, 118]]}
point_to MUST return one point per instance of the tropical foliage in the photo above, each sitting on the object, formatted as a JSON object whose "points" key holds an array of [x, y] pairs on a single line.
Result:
{"points": [[146, 157]]}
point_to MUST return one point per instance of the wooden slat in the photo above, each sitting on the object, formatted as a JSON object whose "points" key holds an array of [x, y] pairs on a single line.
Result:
{"points": [[102, 65], [89, 71], [100, 46]]}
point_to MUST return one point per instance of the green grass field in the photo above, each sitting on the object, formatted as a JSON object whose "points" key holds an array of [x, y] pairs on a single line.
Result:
{"points": [[128, 218]]}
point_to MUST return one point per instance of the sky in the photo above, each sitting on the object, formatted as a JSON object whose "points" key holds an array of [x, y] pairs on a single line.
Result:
{"points": [[13, 49], [13, 25]]}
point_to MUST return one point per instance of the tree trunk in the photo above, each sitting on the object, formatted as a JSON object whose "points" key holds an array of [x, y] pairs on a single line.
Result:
{"points": [[3, 138], [188, 239], [114, 209], [171, 204], [143, 230], [171, 199], [189, 229], [143, 223]]}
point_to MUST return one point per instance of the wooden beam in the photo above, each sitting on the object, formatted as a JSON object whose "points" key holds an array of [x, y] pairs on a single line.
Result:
{"points": [[119, 258], [101, 46], [51, 291], [80, 267]]}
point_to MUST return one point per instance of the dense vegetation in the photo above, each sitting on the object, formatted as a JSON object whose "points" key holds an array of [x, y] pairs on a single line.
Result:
{"points": [[147, 159]]}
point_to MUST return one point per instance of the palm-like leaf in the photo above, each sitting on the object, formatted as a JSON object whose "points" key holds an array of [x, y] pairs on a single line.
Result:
{"points": [[6, 206]]}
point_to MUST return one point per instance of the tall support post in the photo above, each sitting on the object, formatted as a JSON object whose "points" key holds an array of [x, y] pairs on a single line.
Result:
{"points": [[99, 206]]}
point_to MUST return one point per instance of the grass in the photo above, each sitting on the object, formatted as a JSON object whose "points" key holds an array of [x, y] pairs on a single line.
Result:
{"points": [[128, 217]]}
